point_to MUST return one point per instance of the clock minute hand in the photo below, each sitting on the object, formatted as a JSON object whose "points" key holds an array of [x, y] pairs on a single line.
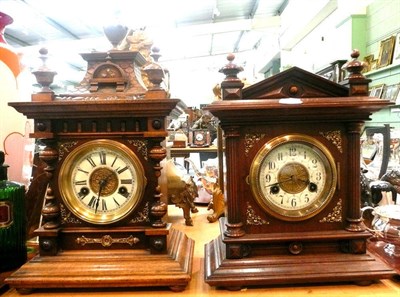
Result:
{"points": [[278, 183], [286, 180], [102, 184]]}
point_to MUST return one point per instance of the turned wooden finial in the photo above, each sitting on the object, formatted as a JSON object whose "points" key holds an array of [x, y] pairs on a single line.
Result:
{"points": [[156, 75], [355, 81], [231, 70], [44, 77], [231, 86], [354, 67]]}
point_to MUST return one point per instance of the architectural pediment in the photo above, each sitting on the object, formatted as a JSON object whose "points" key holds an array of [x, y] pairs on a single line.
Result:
{"points": [[296, 83]]}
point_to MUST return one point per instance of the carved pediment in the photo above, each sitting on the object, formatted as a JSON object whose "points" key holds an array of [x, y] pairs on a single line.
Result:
{"points": [[116, 72], [294, 83], [106, 74]]}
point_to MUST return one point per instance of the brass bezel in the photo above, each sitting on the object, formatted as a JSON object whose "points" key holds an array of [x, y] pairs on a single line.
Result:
{"points": [[324, 197], [71, 201]]}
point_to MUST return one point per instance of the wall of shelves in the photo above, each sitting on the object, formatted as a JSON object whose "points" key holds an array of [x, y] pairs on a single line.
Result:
{"points": [[388, 75], [382, 22]]}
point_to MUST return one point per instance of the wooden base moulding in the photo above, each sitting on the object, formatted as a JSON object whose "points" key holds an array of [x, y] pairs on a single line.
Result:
{"points": [[233, 274], [109, 268]]}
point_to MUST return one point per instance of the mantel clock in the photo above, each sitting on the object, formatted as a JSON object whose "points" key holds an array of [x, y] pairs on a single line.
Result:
{"points": [[103, 210], [292, 152]]}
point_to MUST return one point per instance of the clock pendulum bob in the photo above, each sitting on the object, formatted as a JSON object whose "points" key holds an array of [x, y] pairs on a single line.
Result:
{"points": [[292, 182], [103, 217]]}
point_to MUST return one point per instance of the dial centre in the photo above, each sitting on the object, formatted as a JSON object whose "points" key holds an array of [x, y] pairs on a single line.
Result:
{"points": [[293, 178], [105, 178]]}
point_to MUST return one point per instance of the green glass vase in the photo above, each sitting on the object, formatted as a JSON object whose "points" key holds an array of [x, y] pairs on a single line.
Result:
{"points": [[13, 252]]}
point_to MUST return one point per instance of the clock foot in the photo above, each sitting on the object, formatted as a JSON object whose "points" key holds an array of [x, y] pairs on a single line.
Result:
{"points": [[177, 288], [25, 291], [364, 283], [234, 288]]}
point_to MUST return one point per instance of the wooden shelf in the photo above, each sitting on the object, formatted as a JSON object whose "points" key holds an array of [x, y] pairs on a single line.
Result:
{"points": [[382, 70]]}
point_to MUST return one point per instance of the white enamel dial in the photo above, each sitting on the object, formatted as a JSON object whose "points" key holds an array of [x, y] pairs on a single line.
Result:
{"points": [[199, 136], [101, 181], [293, 177]]}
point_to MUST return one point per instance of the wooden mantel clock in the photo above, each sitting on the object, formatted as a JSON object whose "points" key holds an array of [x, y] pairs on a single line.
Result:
{"points": [[103, 224], [292, 149]]}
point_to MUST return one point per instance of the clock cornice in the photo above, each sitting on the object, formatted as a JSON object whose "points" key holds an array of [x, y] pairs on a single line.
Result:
{"points": [[305, 109], [96, 108]]}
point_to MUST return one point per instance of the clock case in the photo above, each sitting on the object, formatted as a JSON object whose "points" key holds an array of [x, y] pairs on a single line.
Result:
{"points": [[139, 250], [256, 248], [199, 138]]}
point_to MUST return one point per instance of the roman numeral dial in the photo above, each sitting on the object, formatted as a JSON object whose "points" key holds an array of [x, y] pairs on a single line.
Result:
{"points": [[102, 181]]}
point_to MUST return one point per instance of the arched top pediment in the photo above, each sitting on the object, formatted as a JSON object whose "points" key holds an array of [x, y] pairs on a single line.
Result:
{"points": [[110, 76]]}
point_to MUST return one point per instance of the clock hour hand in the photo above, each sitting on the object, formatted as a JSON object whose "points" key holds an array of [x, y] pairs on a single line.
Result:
{"points": [[286, 180], [274, 188], [307, 181], [312, 187], [102, 184]]}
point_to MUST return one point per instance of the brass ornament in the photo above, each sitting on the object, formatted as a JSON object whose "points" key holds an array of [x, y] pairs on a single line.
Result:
{"points": [[335, 137], [251, 140], [335, 216], [141, 146], [65, 148], [67, 217], [142, 216], [252, 218], [106, 240]]}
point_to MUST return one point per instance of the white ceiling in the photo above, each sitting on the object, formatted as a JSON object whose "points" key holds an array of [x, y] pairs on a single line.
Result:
{"points": [[193, 35], [183, 29]]}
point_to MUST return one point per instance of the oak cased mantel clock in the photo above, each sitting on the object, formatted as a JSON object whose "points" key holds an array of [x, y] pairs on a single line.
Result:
{"points": [[103, 217], [292, 152]]}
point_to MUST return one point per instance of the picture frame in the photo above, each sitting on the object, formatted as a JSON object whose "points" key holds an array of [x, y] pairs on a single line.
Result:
{"points": [[386, 52], [397, 100], [390, 92], [369, 62], [396, 93], [396, 51], [371, 92], [377, 91], [373, 64]]}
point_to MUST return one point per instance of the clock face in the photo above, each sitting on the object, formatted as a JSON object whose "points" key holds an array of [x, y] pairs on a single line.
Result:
{"points": [[293, 177], [199, 136], [102, 181]]}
